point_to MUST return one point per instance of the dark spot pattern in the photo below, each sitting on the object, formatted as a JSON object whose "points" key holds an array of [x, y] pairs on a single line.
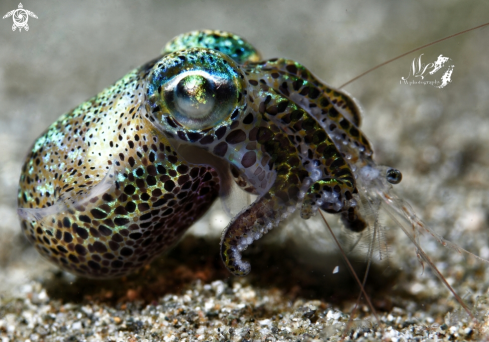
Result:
{"points": [[119, 151]]}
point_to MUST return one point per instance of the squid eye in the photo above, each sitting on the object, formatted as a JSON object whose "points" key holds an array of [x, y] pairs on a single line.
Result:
{"points": [[198, 99], [195, 96], [198, 88], [394, 176]]}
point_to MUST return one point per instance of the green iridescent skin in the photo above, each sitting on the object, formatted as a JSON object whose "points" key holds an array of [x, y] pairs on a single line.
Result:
{"points": [[112, 184]]}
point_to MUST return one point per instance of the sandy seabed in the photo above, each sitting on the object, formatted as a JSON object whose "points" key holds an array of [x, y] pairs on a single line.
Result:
{"points": [[438, 138]]}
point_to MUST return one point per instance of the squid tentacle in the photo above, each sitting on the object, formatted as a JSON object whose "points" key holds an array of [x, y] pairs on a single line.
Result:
{"points": [[337, 115], [270, 209], [332, 178], [342, 101]]}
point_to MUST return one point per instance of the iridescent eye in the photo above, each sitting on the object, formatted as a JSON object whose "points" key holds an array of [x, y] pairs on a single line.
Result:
{"points": [[194, 95], [198, 88], [394, 176], [198, 99]]}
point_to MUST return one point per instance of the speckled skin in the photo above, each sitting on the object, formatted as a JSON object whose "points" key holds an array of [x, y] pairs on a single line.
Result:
{"points": [[115, 182]]}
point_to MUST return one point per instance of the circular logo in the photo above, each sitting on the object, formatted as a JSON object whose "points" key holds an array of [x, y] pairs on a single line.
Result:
{"points": [[20, 17]]}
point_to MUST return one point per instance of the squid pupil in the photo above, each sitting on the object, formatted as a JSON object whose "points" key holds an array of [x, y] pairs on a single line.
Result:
{"points": [[394, 176], [195, 96]]}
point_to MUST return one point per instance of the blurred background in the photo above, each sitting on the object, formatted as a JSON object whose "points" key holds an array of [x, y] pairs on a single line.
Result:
{"points": [[438, 138]]}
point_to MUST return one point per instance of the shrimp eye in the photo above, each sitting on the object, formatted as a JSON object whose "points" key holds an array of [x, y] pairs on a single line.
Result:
{"points": [[394, 176], [198, 88]]}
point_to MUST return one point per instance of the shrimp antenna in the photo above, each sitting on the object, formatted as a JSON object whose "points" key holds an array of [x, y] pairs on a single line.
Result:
{"points": [[394, 215], [362, 288], [413, 50], [367, 270]]}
